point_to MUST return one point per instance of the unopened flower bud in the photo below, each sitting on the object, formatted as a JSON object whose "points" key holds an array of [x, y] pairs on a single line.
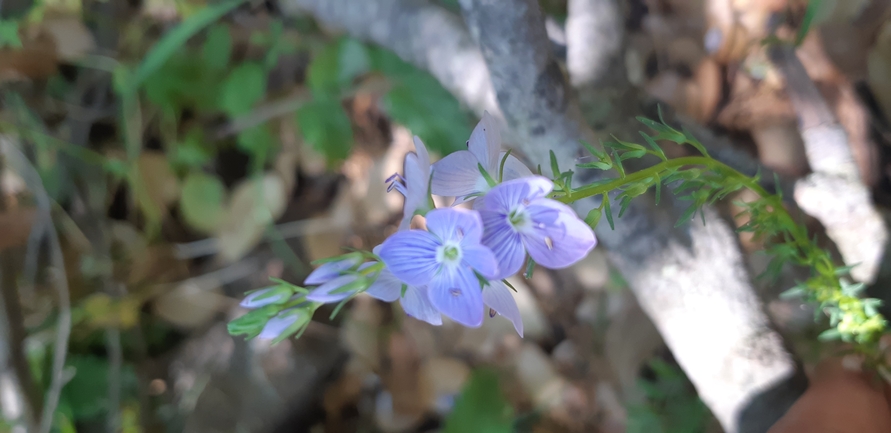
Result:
{"points": [[268, 296]]}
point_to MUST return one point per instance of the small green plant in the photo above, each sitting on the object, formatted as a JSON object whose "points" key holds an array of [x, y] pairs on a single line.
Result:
{"points": [[703, 180]]}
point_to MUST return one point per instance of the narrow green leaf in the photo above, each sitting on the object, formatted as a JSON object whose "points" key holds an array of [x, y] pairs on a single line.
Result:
{"points": [[554, 168], [652, 143], [175, 38], [608, 212], [795, 292], [655, 126], [829, 335], [844, 270], [598, 165], [659, 113], [814, 9], [687, 215], [871, 306], [486, 175], [626, 200], [658, 185], [691, 140], [530, 267], [501, 165], [852, 290], [509, 285], [593, 150], [618, 164]]}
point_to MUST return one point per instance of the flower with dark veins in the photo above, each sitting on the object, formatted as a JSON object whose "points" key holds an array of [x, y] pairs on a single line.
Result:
{"points": [[447, 258], [519, 218]]}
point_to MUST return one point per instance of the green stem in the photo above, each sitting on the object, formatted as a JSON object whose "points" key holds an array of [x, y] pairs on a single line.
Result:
{"points": [[595, 190], [810, 253]]}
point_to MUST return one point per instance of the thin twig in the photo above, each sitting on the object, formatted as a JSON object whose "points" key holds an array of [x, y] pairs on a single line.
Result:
{"points": [[288, 230], [19, 398], [262, 115], [20, 164]]}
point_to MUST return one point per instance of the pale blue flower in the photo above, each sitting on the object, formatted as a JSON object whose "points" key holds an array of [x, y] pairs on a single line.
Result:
{"points": [[415, 185], [446, 258], [518, 218], [458, 174]]}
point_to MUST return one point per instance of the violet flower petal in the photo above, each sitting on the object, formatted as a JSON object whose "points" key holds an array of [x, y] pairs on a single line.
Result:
{"points": [[505, 243], [513, 168], [456, 293], [561, 242], [417, 180], [386, 287], [481, 259], [485, 143], [456, 224], [416, 304], [457, 175], [498, 297], [506, 196], [411, 255]]}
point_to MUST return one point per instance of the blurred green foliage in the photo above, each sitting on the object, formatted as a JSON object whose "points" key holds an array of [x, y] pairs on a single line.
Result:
{"points": [[671, 406], [481, 407], [9, 34], [85, 396], [419, 102]]}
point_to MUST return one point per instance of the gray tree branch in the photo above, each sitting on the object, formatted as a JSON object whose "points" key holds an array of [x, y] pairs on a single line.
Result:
{"points": [[597, 29], [690, 280], [834, 193]]}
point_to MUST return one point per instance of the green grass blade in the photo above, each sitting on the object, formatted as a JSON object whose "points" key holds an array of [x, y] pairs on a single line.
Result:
{"points": [[813, 8], [175, 38]]}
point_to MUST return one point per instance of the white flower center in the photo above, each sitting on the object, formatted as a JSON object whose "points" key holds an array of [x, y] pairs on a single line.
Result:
{"points": [[449, 253], [481, 185], [520, 219]]}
